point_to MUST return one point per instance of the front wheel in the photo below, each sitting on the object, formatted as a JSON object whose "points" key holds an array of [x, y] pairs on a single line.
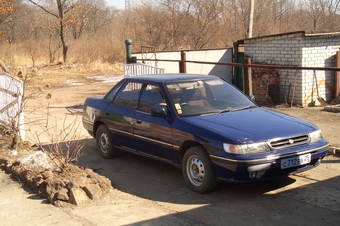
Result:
{"points": [[198, 171], [104, 143]]}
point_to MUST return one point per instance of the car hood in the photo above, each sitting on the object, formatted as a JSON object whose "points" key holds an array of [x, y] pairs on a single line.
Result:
{"points": [[252, 125]]}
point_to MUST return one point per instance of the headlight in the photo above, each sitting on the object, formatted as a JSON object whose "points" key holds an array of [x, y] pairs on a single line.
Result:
{"points": [[315, 136], [245, 149]]}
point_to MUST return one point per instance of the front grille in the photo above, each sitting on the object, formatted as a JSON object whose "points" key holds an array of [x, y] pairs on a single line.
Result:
{"points": [[289, 142]]}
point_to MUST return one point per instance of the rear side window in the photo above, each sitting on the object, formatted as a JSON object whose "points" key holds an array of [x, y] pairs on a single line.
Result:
{"points": [[128, 95], [111, 94], [151, 96]]}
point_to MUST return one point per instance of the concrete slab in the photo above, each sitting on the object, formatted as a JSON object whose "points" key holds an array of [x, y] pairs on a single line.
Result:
{"points": [[22, 207]]}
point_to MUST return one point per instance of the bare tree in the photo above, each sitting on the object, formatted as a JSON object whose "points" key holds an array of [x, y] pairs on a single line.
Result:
{"points": [[313, 9], [204, 21], [63, 16], [331, 14], [176, 13], [79, 18], [89, 15], [153, 31]]}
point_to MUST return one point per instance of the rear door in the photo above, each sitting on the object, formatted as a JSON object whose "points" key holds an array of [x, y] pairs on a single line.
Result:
{"points": [[119, 115]]}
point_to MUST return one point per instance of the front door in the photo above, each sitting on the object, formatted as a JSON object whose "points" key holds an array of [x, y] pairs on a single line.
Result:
{"points": [[153, 135]]}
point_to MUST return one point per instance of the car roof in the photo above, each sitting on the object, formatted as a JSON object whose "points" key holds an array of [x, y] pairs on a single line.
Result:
{"points": [[170, 77]]}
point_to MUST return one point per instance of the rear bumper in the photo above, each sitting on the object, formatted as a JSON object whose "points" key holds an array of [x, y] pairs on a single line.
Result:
{"points": [[242, 170], [88, 126]]}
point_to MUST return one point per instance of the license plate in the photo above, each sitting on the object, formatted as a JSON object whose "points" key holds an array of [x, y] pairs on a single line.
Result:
{"points": [[295, 161]]}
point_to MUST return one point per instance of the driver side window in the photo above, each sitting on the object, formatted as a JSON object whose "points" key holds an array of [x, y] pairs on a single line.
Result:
{"points": [[151, 96]]}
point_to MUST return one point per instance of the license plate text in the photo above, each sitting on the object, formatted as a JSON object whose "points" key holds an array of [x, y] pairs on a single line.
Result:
{"points": [[295, 161]]}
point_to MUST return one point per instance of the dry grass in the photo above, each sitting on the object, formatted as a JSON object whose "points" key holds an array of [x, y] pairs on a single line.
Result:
{"points": [[60, 75], [85, 52], [89, 56], [103, 68], [84, 60]]}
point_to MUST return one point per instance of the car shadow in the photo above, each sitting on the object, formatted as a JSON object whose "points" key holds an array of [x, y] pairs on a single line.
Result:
{"points": [[72, 110], [158, 181]]}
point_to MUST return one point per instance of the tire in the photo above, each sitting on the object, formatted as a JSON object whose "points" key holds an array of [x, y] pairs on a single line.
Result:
{"points": [[198, 171], [104, 143]]}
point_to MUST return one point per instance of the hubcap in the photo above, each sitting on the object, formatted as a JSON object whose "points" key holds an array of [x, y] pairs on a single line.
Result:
{"points": [[195, 170], [104, 142]]}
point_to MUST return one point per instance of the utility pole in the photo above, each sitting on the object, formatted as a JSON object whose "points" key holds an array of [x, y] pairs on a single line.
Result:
{"points": [[250, 19], [127, 4], [250, 35]]}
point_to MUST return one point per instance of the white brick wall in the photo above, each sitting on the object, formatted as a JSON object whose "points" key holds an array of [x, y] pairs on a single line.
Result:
{"points": [[319, 52], [298, 49]]}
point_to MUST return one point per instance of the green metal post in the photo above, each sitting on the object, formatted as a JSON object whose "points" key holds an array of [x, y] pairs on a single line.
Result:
{"points": [[128, 43]]}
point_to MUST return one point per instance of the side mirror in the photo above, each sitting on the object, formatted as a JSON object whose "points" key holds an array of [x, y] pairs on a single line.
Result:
{"points": [[252, 98], [159, 111]]}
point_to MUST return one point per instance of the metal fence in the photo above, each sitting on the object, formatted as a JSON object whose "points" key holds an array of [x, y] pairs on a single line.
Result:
{"points": [[137, 69], [11, 91], [327, 84]]}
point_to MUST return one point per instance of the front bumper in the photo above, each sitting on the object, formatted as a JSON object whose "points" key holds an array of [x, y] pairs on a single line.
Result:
{"points": [[268, 167]]}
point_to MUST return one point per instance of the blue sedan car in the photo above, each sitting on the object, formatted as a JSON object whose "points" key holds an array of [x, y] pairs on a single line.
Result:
{"points": [[203, 125]]}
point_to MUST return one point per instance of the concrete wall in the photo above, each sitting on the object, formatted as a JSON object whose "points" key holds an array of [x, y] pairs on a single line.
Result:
{"points": [[219, 55], [298, 49]]}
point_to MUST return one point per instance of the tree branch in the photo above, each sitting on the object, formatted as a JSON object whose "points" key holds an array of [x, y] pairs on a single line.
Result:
{"points": [[43, 8]]}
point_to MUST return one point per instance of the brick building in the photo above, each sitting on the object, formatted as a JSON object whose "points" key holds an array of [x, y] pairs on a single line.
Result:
{"points": [[296, 49]]}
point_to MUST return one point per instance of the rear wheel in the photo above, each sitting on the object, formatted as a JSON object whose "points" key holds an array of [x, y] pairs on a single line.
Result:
{"points": [[198, 171], [104, 143]]}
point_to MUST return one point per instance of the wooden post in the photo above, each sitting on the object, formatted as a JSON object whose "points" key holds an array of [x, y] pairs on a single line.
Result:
{"points": [[292, 101], [250, 78], [337, 78], [182, 63]]}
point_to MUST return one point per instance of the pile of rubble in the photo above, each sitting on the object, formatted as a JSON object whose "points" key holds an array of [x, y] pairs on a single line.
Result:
{"points": [[335, 101], [74, 185], [333, 105]]}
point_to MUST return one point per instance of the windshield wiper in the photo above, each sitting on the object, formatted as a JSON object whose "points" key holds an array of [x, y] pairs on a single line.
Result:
{"points": [[246, 107], [226, 110], [237, 109]]}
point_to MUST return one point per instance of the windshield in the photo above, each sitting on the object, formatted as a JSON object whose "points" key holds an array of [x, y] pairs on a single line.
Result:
{"points": [[206, 97]]}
